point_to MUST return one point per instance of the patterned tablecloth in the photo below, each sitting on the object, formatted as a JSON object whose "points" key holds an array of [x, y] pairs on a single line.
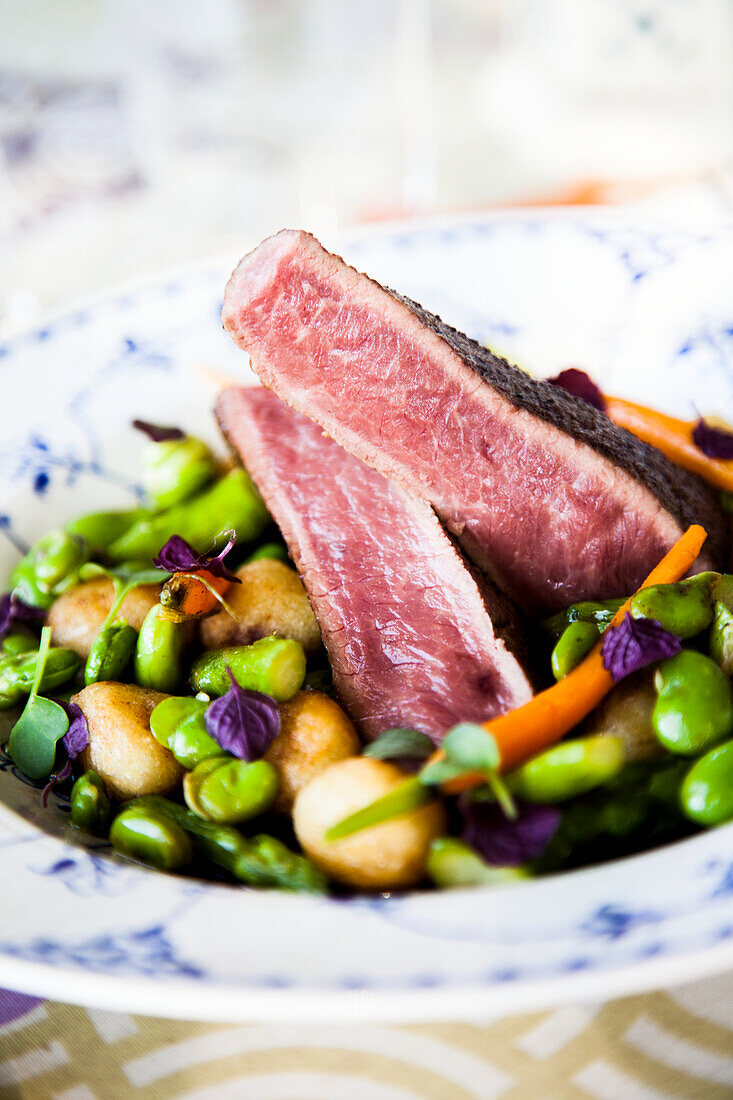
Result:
{"points": [[660, 1046]]}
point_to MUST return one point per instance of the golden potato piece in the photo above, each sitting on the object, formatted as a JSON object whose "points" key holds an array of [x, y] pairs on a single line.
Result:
{"points": [[314, 733], [270, 600], [77, 617], [386, 856], [626, 713], [121, 747]]}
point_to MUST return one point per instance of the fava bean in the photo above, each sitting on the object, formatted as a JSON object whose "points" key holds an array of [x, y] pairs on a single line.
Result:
{"points": [[142, 833], [694, 707], [91, 808], [159, 650], [568, 769], [721, 638], [258, 861], [14, 644], [175, 469], [451, 863], [228, 790], [276, 551], [17, 674], [587, 611], [685, 608], [111, 652], [99, 529], [275, 666], [178, 724], [707, 791], [232, 502], [50, 567], [575, 642]]}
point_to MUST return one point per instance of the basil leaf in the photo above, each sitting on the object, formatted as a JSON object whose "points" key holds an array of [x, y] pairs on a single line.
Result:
{"points": [[400, 744]]}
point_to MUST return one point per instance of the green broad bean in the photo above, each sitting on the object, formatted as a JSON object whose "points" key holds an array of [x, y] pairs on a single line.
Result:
{"points": [[684, 608], [275, 666], [111, 653], [99, 529], [17, 674], [178, 724], [232, 502], [256, 861], [575, 642], [451, 864], [275, 551], [707, 791], [587, 611], [91, 809], [50, 567], [228, 790], [175, 469], [151, 837], [720, 644], [159, 651], [694, 707], [14, 644], [568, 769]]}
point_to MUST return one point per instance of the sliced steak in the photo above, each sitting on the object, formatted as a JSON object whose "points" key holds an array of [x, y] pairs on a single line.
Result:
{"points": [[407, 631], [546, 494]]}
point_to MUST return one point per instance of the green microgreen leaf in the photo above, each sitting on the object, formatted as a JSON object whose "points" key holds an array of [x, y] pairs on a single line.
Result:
{"points": [[408, 796], [400, 744], [440, 772], [471, 747], [33, 738], [124, 577]]}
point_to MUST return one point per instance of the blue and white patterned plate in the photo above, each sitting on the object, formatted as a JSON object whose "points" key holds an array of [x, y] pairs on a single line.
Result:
{"points": [[646, 308]]}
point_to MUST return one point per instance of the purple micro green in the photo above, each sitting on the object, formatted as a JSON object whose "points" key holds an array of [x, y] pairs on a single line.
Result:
{"points": [[244, 723], [76, 737], [506, 842], [713, 442], [178, 556], [13, 610], [157, 432], [636, 643], [579, 384]]}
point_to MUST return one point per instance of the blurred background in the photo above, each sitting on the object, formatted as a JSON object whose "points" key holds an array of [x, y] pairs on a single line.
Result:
{"points": [[138, 134]]}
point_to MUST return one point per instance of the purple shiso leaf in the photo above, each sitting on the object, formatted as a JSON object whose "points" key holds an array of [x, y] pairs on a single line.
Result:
{"points": [[76, 737], [713, 442], [504, 842], [13, 610], [244, 723], [178, 556], [580, 385], [157, 432], [636, 643]]}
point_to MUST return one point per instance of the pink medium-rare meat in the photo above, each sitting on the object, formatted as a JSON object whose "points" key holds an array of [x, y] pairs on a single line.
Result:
{"points": [[408, 634], [543, 491]]}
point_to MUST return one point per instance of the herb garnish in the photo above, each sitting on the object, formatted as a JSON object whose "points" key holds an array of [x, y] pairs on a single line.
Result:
{"points": [[33, 738]]}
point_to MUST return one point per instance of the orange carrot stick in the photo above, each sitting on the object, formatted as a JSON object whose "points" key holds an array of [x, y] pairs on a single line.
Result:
{"points": [[671, 436], [185, 593], [548, 716]]}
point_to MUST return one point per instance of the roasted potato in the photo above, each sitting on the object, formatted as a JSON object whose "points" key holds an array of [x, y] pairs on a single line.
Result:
{"points": [[627, 714], [314, 733], [270, 600], [77, 617], [121, 748], [384, 857]]}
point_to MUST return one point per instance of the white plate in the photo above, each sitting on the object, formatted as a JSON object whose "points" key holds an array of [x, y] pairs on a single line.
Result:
{"points": [[646, 308]]}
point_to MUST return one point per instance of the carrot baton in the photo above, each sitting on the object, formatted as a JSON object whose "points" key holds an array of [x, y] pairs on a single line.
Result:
{"points": [[672, 437], [552, 713], [193, 595]]}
